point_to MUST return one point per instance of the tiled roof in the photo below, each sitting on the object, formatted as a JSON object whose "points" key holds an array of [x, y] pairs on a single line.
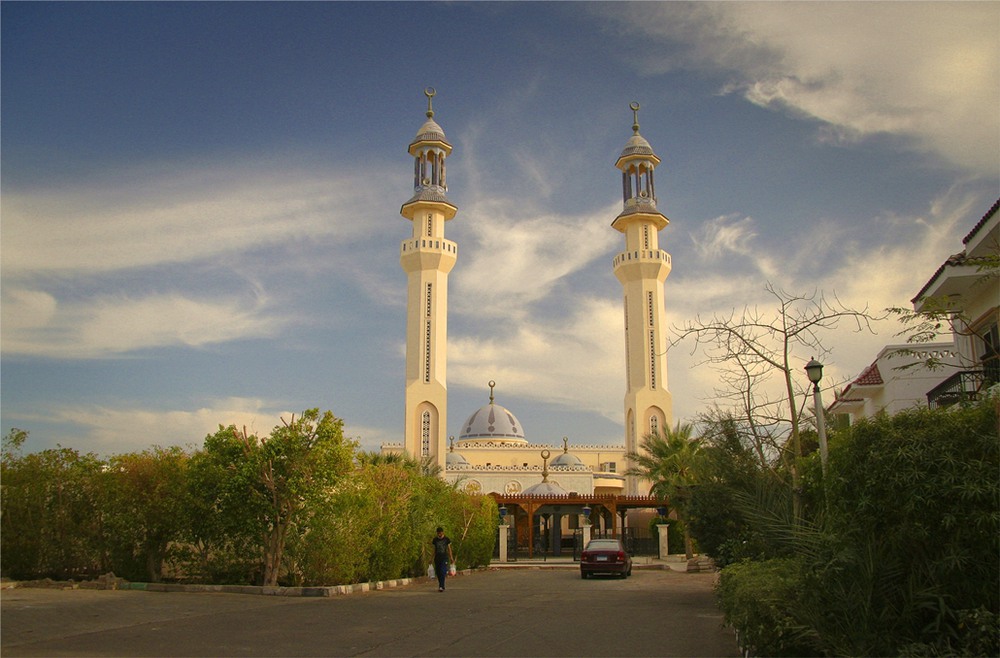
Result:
{"points": [[870, 377], [989, 213], [958, 259]]}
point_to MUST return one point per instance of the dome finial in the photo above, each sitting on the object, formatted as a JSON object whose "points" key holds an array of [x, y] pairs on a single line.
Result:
{"points": [[635, 116], [545, 465], [430, 93], [492, 385], [451, 443], [565, 444]]}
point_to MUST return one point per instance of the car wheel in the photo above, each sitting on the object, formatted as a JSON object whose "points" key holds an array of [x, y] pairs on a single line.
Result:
{"points": [[583, 575]]}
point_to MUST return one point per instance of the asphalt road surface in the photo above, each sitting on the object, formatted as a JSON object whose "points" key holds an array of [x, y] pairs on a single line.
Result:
{"points": [[510, 612]]}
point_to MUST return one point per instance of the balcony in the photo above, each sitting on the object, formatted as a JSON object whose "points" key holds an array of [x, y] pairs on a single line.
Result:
{"points": [[963, 386], [642, 256]]}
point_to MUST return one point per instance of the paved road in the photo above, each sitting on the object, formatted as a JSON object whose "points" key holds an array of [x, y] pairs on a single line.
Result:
{"points": [[513, 612]]}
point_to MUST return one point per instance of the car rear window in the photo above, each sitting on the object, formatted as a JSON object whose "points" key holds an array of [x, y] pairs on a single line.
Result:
{"points": [[602, 545]]}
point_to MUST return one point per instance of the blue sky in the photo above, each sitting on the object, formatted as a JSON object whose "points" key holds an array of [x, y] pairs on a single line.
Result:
{"points": [[200, 202]]}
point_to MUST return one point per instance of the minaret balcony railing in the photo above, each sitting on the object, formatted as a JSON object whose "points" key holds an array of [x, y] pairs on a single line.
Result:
{"points": [[438, 245], [642, 256]]}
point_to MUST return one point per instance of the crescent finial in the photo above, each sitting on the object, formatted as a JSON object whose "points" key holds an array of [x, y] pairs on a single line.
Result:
{"points": [[492, 385], [635, 116], [430, 93]]}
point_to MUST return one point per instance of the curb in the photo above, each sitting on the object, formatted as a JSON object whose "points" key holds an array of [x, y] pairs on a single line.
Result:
{"points": [[320, 591]]}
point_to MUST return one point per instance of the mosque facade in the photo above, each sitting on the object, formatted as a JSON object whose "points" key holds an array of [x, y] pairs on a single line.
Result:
{"points": [[493, 453]]}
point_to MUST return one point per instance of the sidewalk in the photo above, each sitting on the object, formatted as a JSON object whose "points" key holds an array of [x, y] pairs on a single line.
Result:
{"points": [[676, 563], [566, 561]]}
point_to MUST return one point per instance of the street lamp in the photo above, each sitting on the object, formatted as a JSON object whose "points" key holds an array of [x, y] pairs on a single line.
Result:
{"points": [[814, 369], [586, 514], [503, 514]]}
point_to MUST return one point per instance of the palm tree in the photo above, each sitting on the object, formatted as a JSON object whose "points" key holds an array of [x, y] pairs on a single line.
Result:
{"points": [[425, 465], [672, 461]]}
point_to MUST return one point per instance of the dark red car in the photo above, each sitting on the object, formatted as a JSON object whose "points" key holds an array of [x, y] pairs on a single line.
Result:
{"points": [[605, 556]]}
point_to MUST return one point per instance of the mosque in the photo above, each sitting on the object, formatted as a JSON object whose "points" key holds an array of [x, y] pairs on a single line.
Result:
{"points": [[544, 486]]}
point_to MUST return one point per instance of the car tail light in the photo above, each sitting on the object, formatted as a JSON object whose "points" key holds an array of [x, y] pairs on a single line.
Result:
{"points": [[584, 556], [621, 556]]}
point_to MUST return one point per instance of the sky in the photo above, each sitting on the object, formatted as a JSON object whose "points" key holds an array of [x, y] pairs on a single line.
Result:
{"points": [[199, 220]]}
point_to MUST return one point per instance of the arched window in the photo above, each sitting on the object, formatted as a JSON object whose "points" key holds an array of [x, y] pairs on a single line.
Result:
{"points": [[425, 434]]}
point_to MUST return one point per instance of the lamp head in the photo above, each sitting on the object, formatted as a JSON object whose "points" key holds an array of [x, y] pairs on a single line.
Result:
{"points": [[814, 369]]}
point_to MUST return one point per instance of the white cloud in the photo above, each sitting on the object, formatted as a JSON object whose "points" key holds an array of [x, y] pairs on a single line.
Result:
{"points": [[516, 257], [125, 429], [105, 268], [174, 217], [925, 71], [864, 275], [34, 324], [575, 362]]}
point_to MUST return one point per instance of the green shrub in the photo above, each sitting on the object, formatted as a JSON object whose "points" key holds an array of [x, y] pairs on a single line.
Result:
{"points": [[758, 600], [917, 494]]}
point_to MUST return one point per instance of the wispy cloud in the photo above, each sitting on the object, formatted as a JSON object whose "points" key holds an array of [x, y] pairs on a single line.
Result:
{"points": [[924, 71], [863, 275], [516, 257], [178, 216], [124, 428], [170, 258], [35, 324], [574, 361]]}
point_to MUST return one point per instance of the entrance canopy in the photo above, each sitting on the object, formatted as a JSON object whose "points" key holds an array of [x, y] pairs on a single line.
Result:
{"points": [[574, 503]]}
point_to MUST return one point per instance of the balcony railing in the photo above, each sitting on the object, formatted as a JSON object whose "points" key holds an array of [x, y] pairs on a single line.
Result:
{"points": [[963, 386]]}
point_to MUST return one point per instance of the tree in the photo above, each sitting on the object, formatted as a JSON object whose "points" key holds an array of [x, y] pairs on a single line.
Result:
{"points": [[903, 558], [672, 461], [751, 348], [269, 482], [50, 512], [734, 470], [144, 504]]}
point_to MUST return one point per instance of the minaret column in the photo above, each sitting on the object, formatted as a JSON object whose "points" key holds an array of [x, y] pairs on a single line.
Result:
{"points": [[642, 268], [427, 258]]}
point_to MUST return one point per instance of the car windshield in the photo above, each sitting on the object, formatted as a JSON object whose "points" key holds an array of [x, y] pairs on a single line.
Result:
{"points": [[603, 545]]}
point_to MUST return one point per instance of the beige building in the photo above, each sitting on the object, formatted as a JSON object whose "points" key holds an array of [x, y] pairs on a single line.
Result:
{"points": [[969, 364], [884, 387], [493, 452], [968, 286]]}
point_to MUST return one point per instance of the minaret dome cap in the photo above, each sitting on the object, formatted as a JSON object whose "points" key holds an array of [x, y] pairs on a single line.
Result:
{"points": [[636, 146], [430, 131]]}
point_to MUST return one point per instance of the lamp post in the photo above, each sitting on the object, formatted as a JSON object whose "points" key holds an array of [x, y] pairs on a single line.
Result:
{"points": [[814, 369]]}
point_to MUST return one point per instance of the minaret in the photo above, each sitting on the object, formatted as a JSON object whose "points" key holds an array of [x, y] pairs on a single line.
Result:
{"points": [[427, 258], [642, 268]]}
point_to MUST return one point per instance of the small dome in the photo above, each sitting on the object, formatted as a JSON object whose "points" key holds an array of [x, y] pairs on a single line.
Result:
{"points": [[566, 459], [544, 488], [456, 460]]}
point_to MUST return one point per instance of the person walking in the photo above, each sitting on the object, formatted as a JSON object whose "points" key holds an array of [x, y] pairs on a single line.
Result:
{"points": [[443, 556]]}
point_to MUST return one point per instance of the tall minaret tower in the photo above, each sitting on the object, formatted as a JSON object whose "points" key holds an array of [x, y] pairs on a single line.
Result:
{"points": [[642, 268], [427, 258]]}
